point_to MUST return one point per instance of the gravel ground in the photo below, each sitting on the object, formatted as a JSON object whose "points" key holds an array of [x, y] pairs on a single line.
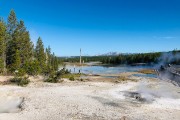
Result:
{"points": [[92, 101]]}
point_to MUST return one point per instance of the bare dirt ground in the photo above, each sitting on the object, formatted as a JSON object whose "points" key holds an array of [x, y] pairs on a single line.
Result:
{"points": [[92, 100]]}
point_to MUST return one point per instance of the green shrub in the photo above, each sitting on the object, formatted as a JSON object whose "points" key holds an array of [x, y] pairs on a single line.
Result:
{"points": [[71, 78], [62, 72], [21, 72], [24, 82], [52, 79], [69, 75], [21, 81]]}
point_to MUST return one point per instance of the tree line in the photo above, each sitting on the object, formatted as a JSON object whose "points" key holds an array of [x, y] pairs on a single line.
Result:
{"points": [[171, 57], [148, 58], [18, 53], [132, 59]]}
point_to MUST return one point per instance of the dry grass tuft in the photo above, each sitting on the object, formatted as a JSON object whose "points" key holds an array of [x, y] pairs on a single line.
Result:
{"points": [[147, 71]]}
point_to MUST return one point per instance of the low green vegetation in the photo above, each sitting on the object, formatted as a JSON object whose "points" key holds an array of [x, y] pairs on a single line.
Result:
{"points": [[71, 75], [124, 78], [63, 73], [52, 79], [21, 81], [71, 78]]}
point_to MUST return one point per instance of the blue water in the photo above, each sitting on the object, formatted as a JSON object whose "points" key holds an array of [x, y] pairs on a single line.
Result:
{"points": [[105, 69], [146, 75]]}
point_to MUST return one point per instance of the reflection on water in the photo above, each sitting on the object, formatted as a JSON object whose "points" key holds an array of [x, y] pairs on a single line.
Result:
{"points": [[105, 69]]}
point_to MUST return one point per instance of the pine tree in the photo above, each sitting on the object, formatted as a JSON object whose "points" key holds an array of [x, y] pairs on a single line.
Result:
{"points": [[40, 54], [48, 55], [23, 43], [16, 61], [12, 22], [48, 61], [54, 62], [11, 27], [2, 47]]}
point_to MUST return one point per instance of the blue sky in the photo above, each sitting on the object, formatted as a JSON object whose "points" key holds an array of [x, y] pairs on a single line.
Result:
{"points": [[100, 26]]}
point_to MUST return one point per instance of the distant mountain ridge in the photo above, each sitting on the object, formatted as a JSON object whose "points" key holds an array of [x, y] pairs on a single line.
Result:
{"points": [[108, 54], [112, 54]]}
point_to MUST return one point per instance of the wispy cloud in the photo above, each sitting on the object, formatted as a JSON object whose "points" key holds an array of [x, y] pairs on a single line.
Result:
{"points": [[164, 37]]}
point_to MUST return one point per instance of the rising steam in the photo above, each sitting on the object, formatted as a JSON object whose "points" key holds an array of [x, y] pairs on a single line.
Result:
{"points": [[10, 104]]}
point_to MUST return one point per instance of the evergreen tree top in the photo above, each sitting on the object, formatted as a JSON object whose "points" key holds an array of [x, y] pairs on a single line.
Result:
{"points": [[12, 22]]}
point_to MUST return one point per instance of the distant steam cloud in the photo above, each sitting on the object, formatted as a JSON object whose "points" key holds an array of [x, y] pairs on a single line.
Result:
{"points": [[168, 57], [168, 67]]}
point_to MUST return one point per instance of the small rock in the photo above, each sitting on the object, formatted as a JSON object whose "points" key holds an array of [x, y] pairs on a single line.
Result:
{"points": [[123, 118]]}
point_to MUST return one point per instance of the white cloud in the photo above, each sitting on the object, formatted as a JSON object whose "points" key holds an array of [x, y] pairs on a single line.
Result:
{"points": [[164, 37]]}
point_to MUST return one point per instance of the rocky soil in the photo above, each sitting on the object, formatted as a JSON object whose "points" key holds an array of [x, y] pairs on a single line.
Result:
{"points": [[91, 100]]}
